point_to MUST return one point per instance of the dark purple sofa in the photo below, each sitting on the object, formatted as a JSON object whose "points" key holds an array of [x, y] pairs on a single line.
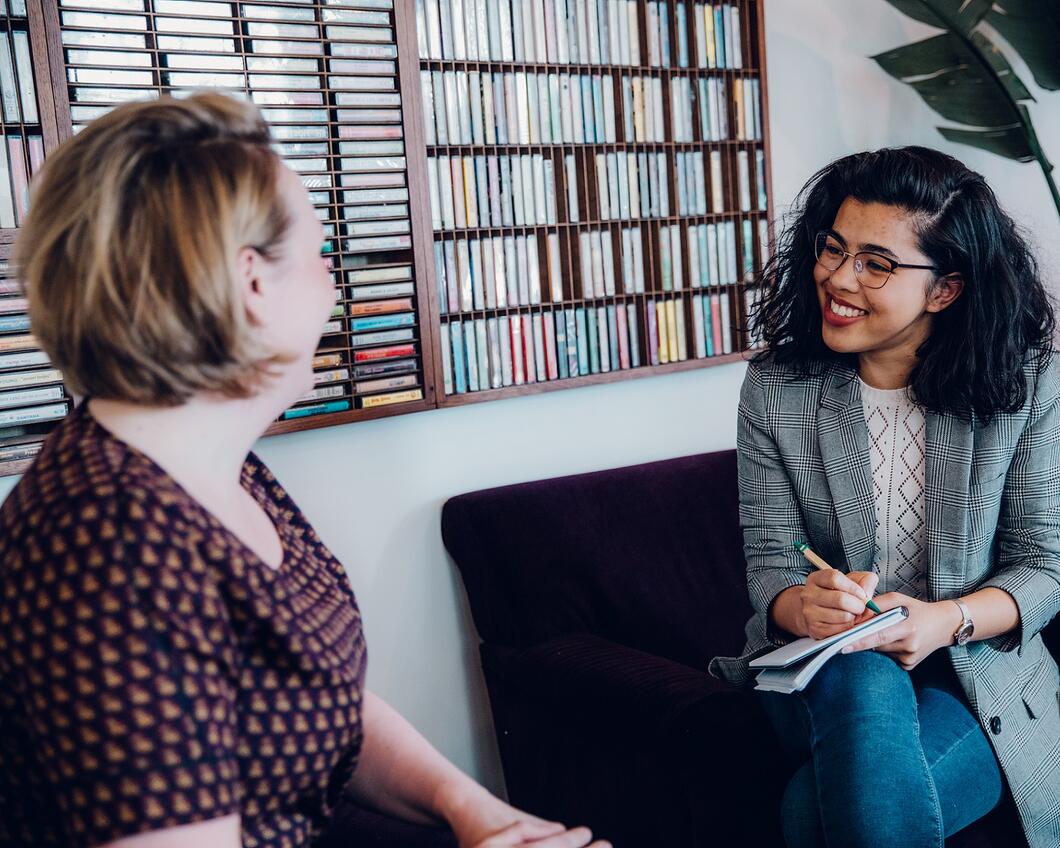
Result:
{"points": [[599, 599]]}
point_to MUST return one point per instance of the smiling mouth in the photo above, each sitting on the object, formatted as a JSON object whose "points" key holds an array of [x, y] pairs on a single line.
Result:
{"points": [[844, 311]]}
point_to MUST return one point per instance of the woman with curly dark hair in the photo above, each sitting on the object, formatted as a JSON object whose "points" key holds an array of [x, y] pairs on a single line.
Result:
{"points": [[904, 420]]}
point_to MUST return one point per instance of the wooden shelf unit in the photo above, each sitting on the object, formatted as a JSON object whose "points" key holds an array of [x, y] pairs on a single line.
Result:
{"points": [[300, 62]]}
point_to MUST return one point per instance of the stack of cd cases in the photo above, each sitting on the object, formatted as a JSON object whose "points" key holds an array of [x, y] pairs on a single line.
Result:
{"points": [[32, 395], [325, 76]]}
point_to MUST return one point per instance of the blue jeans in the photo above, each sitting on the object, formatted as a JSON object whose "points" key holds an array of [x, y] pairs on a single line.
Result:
{"points": [[885, 757]]}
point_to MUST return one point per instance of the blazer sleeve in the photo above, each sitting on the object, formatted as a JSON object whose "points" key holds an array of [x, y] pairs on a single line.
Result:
{"points": [[1028, 529], [769, 509]]}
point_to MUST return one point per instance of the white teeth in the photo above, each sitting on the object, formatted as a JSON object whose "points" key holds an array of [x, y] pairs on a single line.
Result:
{"points": [[845, 311]]}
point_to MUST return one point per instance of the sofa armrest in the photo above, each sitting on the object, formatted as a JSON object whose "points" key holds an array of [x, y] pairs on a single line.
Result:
{"points": [[596, 677]]}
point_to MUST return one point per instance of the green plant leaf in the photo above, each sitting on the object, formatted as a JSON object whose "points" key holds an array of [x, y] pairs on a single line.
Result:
{"points": [[1010, 142], [1032, 27], [1001, 66], [962, 15], [952, 80]]}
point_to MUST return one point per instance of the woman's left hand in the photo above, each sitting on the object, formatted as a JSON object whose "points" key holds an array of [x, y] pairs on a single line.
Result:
{"points": [[930, 626], [479, 818]]}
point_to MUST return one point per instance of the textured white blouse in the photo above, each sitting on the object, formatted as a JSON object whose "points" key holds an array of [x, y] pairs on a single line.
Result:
{"points": [[896, 431]]}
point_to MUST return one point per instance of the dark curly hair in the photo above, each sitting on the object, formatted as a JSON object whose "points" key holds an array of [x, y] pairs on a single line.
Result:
{"points": [[972, 363]]}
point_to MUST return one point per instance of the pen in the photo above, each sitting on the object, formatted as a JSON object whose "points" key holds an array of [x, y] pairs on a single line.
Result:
{"points": [[807, 552]]}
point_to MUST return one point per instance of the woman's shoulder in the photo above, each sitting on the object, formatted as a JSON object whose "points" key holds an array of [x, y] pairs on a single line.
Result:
{"points": [[1042, 368], [776, 381], [76, 469], [86, 483]]}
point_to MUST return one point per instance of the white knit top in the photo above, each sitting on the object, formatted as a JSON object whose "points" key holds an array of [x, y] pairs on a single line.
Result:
{"points": [[896, 432]]}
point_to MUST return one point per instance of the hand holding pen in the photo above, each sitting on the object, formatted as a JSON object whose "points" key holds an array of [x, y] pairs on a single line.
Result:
{"points": [[833, 601]]}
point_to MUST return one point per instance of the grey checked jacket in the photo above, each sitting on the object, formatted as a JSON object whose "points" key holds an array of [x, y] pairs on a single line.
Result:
{"points": [[992, 512]]}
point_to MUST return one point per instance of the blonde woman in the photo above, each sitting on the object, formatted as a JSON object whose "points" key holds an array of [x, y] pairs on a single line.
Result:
{"points": [[181, 657]]}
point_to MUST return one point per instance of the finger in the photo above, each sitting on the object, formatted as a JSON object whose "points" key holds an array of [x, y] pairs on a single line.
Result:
{"points": [[510, 836], [577, 837], [840, 601], [828, 615], [891, 600], [523, 831], [535, 828], [888, 639], [867, 580], [837, 581], [824, 631]]}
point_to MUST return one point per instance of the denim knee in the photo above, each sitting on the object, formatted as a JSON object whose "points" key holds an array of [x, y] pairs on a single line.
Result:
{"points": [[861, 683]]}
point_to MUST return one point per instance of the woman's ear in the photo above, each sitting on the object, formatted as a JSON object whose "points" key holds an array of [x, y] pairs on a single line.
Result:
{"points": [[944, 291], [248, 272]]}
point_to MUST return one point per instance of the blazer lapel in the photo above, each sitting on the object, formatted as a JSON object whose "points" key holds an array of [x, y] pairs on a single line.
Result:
{"points": [[949, 444], [845, 453]]}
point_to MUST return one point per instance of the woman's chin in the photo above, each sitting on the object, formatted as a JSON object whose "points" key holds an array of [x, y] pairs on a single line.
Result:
{"points": [[839, 340]]}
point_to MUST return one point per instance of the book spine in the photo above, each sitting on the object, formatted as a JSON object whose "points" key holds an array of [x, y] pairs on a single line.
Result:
{"points": [[408, 396], [516, 329], [726, 324], [671, 332], [507, 364], [496, 357], [540, 343], [482, 346], [612, 336], [622, 332], [7, 204], [551, 351], [634, 336], [529, 349], [582, 323], [562, 352], [716, 343], [652, 332], [19, 177]]}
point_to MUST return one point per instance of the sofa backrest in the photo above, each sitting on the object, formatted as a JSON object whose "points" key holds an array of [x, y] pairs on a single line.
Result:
{"points": [[649, 556]]}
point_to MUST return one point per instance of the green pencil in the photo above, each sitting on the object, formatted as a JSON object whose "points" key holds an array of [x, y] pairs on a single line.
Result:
{"points": [[807, 552]]}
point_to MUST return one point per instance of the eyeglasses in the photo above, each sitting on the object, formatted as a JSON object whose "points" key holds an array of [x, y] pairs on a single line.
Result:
{"points": [[872, 270]]}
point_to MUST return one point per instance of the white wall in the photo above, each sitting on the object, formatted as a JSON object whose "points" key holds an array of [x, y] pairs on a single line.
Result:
{"points": [[374, 490]]}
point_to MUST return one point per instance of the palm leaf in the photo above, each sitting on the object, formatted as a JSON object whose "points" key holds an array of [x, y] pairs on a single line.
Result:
{"points": [[952, 80], [1010, 142], [961, 15], [1032, 27], [964, 77]]}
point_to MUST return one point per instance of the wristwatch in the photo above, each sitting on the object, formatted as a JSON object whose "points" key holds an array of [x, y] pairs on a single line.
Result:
{"points": [[967, 628]]}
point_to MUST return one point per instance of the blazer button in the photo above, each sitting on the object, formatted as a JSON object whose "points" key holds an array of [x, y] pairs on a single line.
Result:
{"points": [[995, 725]]}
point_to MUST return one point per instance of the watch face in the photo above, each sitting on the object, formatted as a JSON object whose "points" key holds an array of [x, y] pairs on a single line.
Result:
{"points": [[965, 633]]}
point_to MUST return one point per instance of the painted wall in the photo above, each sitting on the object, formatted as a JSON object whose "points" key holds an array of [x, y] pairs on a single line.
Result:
{"points": [[374, 490]]}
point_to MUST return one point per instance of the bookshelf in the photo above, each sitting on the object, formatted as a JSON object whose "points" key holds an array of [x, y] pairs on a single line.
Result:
{"points": [[554, 194], [640, 218]]}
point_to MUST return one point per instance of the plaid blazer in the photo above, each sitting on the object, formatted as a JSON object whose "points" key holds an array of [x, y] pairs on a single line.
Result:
{"points": [[992, 510]]}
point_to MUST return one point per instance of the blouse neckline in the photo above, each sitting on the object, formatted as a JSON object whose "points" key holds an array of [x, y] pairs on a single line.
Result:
{"points": [[247, 480]]}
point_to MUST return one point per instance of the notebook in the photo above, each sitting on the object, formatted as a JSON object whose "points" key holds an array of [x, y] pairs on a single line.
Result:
{"points": [[789, 668]]}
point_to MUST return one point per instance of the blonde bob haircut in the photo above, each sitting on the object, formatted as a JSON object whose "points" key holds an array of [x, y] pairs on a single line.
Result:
{"points": [[129, 251]]}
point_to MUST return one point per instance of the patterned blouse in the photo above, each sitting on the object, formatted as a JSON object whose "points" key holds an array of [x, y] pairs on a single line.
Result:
{"points": [[897, 431], [153, 671]]}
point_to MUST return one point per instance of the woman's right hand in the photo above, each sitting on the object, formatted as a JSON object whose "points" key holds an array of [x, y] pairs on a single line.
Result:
{"points": [[541, 834], [833, 601]]}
